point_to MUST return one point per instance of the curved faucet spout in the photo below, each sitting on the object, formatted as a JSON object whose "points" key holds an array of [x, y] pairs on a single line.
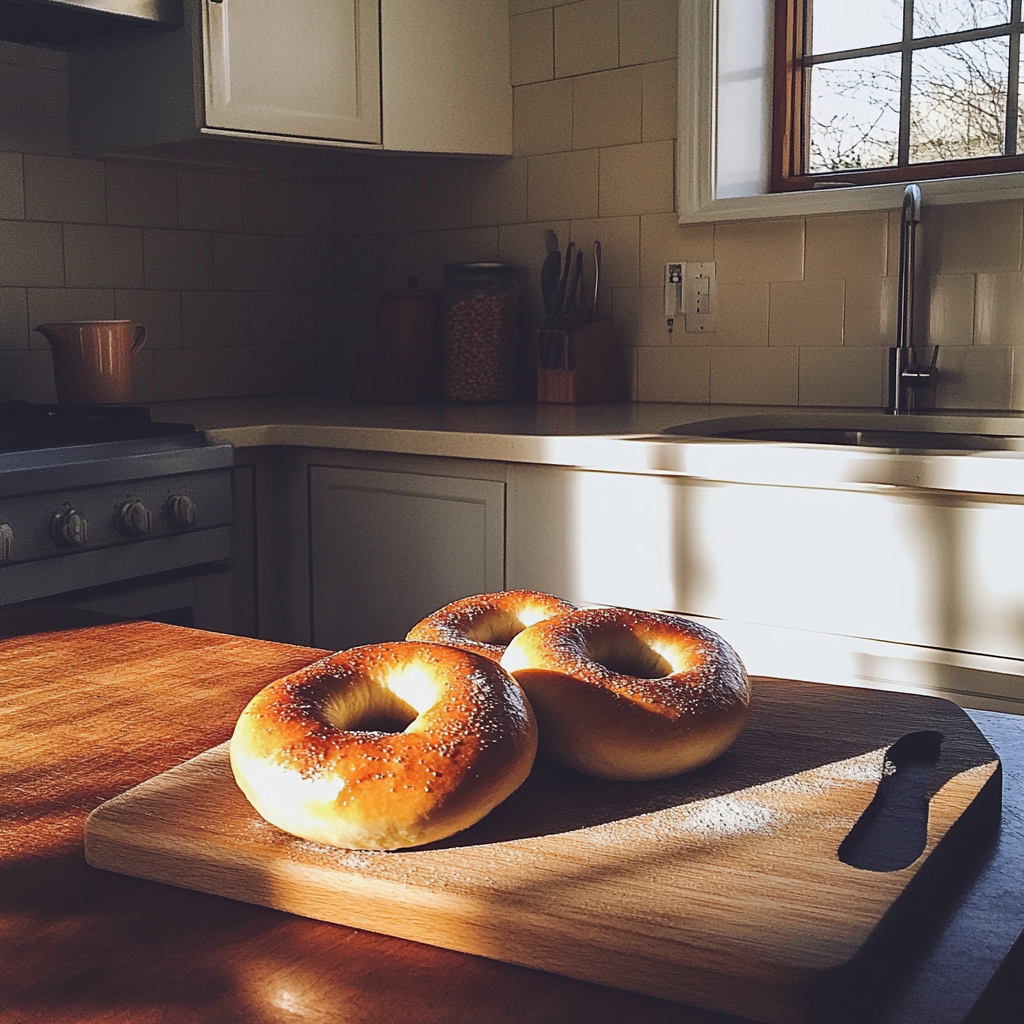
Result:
{"points": [[906, 376]]}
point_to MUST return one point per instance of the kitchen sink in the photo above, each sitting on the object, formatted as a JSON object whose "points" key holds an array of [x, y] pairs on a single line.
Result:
{"points": [[923, 432]]}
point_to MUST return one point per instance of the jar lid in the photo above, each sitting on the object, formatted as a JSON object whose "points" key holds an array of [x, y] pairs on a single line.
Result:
{"points": [[478, 268]]}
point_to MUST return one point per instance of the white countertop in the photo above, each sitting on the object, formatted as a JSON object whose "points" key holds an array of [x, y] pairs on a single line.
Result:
{"points": [[619, 437]]}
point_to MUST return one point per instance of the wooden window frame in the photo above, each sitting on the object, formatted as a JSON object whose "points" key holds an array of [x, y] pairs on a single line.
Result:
{"points": [[790, 142]]}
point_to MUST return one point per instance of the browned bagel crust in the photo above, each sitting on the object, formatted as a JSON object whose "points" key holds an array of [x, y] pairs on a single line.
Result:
{"points": [[299, 754], [486, 623], [630, 695]]}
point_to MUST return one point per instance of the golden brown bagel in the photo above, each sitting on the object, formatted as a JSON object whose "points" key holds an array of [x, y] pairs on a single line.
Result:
{"points": [[625, 694], [485, 624], [384, 746]]}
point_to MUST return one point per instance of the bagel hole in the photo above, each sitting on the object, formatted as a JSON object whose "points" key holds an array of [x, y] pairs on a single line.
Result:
{"points": [[495, 627], [371, 708], [626, 654]]}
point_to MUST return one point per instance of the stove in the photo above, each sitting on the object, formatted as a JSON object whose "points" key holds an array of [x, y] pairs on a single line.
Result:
{"points": [[93, 497]]}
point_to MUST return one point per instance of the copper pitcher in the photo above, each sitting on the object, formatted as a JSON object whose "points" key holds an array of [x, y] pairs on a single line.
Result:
{"points": [[92, 360]]}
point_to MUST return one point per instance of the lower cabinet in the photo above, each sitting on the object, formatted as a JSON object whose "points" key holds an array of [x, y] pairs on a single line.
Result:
{"points": [[387, 548]]}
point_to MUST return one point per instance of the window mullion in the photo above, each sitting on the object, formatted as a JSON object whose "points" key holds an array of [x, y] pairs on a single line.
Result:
{"points": [[903, 147], [1013, 82]]}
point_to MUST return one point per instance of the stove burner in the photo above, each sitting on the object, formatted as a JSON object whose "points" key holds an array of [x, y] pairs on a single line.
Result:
{"points": [[25, 426]]}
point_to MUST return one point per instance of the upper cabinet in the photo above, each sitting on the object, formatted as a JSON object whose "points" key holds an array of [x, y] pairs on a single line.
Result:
{"points": [[427, 76], [307, 68]]}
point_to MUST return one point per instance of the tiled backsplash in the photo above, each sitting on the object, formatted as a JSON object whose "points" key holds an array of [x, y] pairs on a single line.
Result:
{"points": [[233, 275], [256, 284]]}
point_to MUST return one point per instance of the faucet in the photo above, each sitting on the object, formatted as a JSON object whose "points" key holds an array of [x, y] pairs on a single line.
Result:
{"points": [[906, 374]]}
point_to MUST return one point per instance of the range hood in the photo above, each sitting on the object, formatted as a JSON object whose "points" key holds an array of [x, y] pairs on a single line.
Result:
{"points": [[69, 23]]}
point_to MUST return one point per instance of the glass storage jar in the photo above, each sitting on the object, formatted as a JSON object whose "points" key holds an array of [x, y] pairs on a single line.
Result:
{"points": [[481, 332]]}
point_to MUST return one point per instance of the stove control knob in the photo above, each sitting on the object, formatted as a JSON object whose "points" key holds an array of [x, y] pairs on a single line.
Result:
{"points": [[68, 529], [181, 511], [6, 542], [133, 519]]}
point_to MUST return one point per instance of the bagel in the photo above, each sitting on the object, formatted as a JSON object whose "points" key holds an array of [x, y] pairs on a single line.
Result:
{"points": [[485, 624], [630, 695], [385, 746]]}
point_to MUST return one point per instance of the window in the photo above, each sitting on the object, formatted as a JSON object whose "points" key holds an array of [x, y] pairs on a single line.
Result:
{"points": [[942, 77], [894, 90]]}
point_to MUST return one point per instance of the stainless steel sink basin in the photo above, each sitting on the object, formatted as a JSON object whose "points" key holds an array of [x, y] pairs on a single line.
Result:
{"points": [[942, 432]]}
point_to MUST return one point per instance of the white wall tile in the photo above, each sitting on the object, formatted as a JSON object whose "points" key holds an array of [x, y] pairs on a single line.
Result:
{"points": [[755, 376], [273, 206], [389, 203], [64, 188], [848, 246], [972, 238], [246, 262], [468, 245], [870, 312], [178, 259], [947, 317], [532, 41], [805, 313], [31, 254], [412, 255], [542, 118], [214, 319], [648, 30], [185, 373], [281, 318], [13, 318], [742, 315], [637, 179], [563, 185], [307, 264], [999, 309], [759, 250], [12, 192], [443, 196], [499, 192], [974, 377], [663, 240], [586, 37], [672, 374], [660, 89], [209, 202], [606, 108], [158, 311], [848, 377], [102, 256], [360, 263], [141, 195]]}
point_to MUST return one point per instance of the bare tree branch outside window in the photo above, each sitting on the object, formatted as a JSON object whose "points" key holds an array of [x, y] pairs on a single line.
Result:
{"points": [[956, 104]]}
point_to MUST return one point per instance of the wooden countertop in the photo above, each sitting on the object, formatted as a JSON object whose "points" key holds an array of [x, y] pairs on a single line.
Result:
{"points": [[91, 709]]}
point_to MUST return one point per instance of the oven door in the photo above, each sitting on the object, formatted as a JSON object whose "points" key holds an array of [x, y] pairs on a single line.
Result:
{"points": [[199, 596]]}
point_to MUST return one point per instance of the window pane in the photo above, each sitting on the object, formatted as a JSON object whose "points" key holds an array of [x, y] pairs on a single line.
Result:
{"points": [[958, 101], [845, 25], [934, 17], [855, 113]]}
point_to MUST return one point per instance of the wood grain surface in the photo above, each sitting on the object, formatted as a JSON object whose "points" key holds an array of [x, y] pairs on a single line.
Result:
{"points": [[720, 888], [90, 712]]}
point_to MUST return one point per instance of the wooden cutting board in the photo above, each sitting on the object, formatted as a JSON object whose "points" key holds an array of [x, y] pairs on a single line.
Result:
{"points": [[722, 888]]}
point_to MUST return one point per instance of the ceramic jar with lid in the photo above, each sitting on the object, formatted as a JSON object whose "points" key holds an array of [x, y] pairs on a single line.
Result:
{"points": [[409, 344], [481, 332]]}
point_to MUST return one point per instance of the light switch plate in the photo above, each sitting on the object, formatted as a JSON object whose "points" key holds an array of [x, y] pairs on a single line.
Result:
{"points": [[700, 297]]}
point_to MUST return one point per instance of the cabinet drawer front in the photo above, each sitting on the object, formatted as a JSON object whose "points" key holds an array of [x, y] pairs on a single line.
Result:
{"points": [[305, 68], [386, 549]]}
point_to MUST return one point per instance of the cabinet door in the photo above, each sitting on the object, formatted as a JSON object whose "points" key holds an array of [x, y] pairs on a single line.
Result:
{"points": [[305, 68], [386, 549]]}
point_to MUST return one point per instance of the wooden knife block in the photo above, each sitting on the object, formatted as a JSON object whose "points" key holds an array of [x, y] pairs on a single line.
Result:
{"points": [[595, 374]]}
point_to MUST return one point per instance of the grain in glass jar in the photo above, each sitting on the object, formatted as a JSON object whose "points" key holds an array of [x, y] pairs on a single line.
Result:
{"points": [[481, 332]]}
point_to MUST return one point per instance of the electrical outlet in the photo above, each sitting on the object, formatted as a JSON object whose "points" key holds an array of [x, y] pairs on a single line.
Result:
{"points": [[700, 297], [673, 289]]}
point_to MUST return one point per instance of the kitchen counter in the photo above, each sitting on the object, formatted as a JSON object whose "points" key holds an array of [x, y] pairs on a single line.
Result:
{"points": [[620, 437], [92, 708]]}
